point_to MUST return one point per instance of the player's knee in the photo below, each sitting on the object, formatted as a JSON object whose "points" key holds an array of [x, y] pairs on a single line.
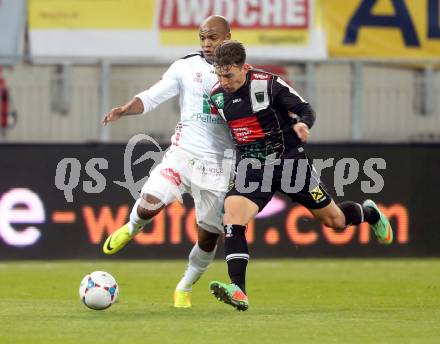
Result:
{"points": [[239, 211], [231, 214], [208, 244], [145, 213], [149, 207], [233, 217], [228, 218]]}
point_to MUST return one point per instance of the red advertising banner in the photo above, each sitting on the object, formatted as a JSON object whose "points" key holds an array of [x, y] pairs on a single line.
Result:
{"points": [[285, 14]]}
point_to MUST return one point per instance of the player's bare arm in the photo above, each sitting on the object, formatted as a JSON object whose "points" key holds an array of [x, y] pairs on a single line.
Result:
{"points": [[134, 107]]}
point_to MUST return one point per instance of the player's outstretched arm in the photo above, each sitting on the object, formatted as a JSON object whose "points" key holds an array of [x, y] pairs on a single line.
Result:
{"points": [[134, 107], [297, 108]]}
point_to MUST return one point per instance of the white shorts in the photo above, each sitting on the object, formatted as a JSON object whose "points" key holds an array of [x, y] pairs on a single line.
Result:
{"points": [[207, 181]]}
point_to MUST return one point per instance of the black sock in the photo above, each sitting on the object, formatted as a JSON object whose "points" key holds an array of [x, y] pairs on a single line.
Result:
{"points": [[353, 212], [371, 215], [356, 213], [237, 254]]}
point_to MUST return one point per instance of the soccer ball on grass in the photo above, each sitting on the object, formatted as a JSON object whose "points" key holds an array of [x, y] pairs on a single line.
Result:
{"points": [[98, 290]]}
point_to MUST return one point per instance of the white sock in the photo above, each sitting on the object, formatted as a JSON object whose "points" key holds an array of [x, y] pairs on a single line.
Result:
{"points": [[135, 224], [198, 262]]}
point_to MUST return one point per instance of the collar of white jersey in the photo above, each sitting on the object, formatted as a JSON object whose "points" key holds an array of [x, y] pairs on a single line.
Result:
{"points": [[198, 53]]}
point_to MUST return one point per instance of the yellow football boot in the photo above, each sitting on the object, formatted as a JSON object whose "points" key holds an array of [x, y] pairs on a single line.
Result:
{"points": [[117, 240], [182, 299]]}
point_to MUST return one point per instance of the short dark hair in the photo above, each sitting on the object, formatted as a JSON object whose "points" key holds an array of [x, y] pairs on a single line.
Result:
{"points": [[230, 53]]}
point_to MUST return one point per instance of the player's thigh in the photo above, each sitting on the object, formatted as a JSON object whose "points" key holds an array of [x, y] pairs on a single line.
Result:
{"points": [[308, 189], [209, 210], [239, 210], [166, 181], [242, 205]]}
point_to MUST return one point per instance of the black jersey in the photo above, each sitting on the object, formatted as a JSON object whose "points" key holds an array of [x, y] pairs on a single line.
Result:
{"points": [[260, 115]]}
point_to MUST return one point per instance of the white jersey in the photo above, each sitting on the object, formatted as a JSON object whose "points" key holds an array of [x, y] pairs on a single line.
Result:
{"points": [[201, 131]]}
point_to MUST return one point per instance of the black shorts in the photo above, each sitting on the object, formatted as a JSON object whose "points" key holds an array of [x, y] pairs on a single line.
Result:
{"points": [[299, 182]]}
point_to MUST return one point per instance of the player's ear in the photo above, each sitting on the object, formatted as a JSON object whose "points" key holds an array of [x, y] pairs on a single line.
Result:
{"points": [[244, 70], [228, 36]]}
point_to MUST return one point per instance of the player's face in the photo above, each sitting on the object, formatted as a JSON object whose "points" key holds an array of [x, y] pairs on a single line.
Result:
{"points": [[231, 78], [210, 38]]}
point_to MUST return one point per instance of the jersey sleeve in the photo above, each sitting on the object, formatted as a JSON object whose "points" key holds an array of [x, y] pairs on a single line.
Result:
{"points": [[167, 87], [287, 97]]}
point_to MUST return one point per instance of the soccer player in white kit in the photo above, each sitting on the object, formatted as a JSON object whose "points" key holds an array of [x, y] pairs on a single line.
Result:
{"points": [[195, 161]]}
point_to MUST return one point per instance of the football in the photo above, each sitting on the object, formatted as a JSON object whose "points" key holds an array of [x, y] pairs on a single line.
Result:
{"points": [[98, 290]]}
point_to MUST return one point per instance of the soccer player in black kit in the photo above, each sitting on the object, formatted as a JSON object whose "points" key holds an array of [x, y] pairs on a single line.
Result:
{"points": [[270, 124]]}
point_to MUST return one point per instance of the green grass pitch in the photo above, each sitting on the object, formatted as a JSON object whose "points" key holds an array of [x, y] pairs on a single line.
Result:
{"points": [[291, 301]]}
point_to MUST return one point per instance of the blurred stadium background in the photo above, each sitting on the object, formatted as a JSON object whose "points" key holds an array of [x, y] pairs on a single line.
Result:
{"points": [[370, 68]]}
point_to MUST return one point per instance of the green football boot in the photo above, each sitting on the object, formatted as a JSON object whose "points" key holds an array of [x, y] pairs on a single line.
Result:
{"points": [[381, 228], [230, 294]]}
